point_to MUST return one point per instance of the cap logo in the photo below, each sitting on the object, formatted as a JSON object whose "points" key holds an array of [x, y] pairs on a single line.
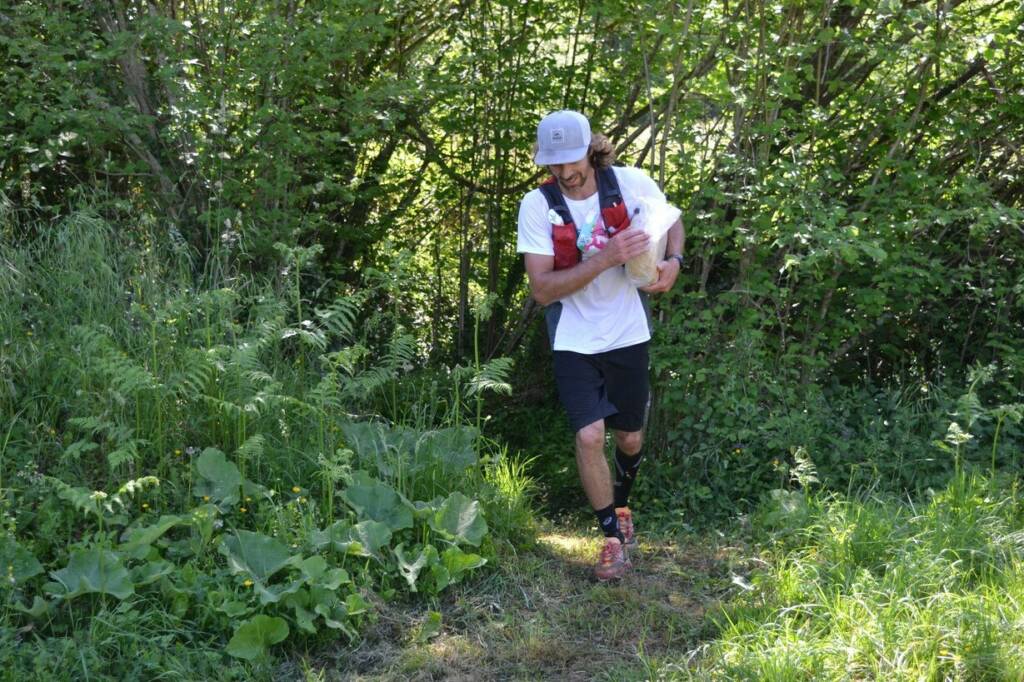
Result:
{"points": [[557, 135]]}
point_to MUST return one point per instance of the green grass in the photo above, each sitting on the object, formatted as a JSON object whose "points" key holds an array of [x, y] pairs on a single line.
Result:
{"points": [[540, 615], [878, 588]]}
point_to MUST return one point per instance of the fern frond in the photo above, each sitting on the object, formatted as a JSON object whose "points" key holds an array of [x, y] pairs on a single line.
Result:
{"points": [[127, 452], [252, 447], [339, 318], [193, 380], [401, 352], [493, 376], [93, 425]]}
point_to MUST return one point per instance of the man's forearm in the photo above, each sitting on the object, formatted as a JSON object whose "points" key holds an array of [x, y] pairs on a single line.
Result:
{"points": [[548, 287], [676, 241]]}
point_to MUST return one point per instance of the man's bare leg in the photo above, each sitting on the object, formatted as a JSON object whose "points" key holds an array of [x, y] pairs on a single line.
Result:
{"points": [[593, 465], [595, 476]]}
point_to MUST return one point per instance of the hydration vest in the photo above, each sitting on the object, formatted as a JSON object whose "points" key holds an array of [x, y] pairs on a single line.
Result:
{"points": [[613, 213]]}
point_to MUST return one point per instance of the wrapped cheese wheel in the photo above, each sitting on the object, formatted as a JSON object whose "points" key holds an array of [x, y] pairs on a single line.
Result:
{"points": [[655, 218]]}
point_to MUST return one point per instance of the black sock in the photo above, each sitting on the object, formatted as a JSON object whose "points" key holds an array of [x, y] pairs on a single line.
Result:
{"points": [[626, 467], [609, 522]]}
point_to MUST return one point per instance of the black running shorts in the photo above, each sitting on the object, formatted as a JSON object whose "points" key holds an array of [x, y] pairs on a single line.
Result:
{"points": [[613, 386]]}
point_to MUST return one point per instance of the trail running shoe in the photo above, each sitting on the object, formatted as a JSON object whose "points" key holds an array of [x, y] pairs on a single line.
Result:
{"points": [[626, 525], [613, 562]]}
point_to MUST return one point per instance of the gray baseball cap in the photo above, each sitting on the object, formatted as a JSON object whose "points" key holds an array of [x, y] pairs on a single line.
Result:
{"points": [[562, 137]]}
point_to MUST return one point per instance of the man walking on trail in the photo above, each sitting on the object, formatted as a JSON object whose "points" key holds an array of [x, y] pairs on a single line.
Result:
{"points": [[573, 232]]}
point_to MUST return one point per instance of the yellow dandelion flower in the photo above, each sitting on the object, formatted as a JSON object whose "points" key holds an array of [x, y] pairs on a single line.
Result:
{"points": [[145, 505], [248, 499], [242, 509], [177, 451], [247, 583], [296, 489], [206, 498], [28, 333]]}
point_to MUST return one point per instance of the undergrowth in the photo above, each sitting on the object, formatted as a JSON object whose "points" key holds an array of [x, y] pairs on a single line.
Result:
{"points": [[221, 466]]}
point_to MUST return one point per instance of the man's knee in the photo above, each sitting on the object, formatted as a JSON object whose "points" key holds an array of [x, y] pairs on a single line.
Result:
{"points": [[591, 437], [629, 442]]}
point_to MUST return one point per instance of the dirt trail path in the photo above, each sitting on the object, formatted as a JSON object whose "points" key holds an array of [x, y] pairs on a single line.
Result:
{"points": [[541, 616]]}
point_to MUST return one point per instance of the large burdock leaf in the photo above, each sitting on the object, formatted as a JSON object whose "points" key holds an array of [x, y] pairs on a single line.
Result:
{"points": [[410, 568], [19, 563], [453, 447], [151, 571], [366, 538], [256, 555], [94, 570], [219, 478], [337, 536], [378, 501], [371, 537], [458, 562], [253, 637], [139, 539], [460, 519]]}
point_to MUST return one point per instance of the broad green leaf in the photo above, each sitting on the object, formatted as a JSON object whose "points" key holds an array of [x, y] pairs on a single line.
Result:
{"points": [[424, 510], [256, 635], [94, 571], [356, 605], [219, 478], [17, 563], [147, 535], [460, 519], [430, 628], [458, 562], [370, 441], [274, 593], [151, 571], [379, 502], [338, 536], [442, 578], [454, 448], [315, 571], [313, 567], [304, 619], [254, 554], [326, 604], [410, 568], [40, 607], [334, 578], [372, 536]]}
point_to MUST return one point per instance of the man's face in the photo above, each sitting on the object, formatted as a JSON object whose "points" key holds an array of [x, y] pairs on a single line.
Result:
{"points": [[571, 176]]}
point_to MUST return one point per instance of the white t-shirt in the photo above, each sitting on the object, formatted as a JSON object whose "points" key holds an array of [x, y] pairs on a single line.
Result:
{"points": [[607, 313]]}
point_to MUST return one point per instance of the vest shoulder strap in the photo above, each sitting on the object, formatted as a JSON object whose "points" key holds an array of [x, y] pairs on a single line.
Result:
{"points": [[608, 190], [556, 201]]}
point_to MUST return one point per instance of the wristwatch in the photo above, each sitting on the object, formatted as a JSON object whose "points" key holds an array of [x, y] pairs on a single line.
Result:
{"points": [[678, 257]]}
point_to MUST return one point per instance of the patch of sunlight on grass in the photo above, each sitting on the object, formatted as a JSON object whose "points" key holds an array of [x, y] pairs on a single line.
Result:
{"points": [[574, 547], [444, 656], [455, 647]]}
